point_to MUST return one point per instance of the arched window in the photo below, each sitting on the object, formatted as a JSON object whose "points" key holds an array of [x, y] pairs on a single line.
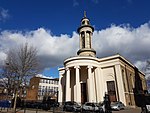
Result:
{"points": [[83, 22], [88, 22], [89, 38]]}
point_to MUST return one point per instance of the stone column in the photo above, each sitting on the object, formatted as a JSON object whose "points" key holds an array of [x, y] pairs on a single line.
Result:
{"points": [[102, 84], [80, 41], [60, 89], [90, 84], [119, 84], [78, 85], [68, 89], [88, 39]]}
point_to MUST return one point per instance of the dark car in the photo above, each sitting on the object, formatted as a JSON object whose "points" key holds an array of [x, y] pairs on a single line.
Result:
{"points": [[54, 103], [146, 105], [5, 103], [71, 106]]}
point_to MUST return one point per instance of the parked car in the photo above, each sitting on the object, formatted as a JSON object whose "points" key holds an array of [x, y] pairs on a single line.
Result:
{"points": [[146, 105], [54, 103], [89, 106], [101, 107], [71, 106], [5, 103], [117, 105]]}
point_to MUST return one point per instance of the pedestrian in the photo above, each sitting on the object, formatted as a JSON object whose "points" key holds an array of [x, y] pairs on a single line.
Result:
{"points": [[107, 104]]}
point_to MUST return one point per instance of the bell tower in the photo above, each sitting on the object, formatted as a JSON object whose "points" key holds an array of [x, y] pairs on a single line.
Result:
{"points": [[85, 34]]}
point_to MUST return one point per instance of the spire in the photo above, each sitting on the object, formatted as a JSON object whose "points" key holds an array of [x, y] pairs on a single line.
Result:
{"points": [[84, 14], [85, 34]]}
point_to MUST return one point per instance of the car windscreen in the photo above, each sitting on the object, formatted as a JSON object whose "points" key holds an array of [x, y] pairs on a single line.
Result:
{"points": [[89, 104], [71, 103], [115, 103]]}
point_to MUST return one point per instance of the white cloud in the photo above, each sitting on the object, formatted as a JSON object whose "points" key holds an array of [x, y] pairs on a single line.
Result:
{"points": [[3, 14], [140, 64], [2, 57], [42, 76], [52, 50], [132, 43]]}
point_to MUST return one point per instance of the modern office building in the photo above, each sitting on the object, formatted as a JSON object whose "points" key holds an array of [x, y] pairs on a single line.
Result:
{"points": [[40, 87], [86, 78]]}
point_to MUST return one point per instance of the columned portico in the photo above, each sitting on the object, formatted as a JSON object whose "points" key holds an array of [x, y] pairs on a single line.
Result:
{"points": [[68, 89], [79, 76]]}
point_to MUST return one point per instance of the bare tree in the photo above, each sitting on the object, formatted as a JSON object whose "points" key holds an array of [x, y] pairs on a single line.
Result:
{"points": [[6, 81], [21, 64]]}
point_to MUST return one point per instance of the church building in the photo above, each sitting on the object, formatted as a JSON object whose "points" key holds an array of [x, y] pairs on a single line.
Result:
{"points": [[86, 78]]}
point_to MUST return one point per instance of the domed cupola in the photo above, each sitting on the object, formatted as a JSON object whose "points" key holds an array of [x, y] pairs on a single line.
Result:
{"points": [[85, 33]]}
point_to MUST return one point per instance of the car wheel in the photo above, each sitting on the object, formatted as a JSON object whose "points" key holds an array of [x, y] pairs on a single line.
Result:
{"points": [[118, 109], [74, 110], [83, 110], [64, 109]]}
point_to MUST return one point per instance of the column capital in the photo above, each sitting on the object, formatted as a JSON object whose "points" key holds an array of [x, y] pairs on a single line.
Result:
{"points": [[89, 66], [67, 68], [61, 72], [77, 66]]}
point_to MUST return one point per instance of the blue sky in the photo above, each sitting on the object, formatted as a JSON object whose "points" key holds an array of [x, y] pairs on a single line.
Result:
{"points": [[50, 25], [63, 16]]}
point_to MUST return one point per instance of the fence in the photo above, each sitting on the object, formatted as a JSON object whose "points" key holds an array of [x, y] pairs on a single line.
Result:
{"points": [[5, 105], [36, 107]]}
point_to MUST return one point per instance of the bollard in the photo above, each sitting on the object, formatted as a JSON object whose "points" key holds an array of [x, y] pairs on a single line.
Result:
{"points": [[24, 109], [37, 109], [53, 109]]}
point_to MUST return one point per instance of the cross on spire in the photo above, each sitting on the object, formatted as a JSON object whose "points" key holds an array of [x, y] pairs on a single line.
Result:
{"points": [[84, 14]]}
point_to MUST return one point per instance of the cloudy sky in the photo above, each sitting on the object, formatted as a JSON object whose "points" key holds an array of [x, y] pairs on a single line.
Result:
{"points": [[121, 26]]}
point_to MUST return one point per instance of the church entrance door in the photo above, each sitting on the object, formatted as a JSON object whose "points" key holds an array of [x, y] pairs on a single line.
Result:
{"points": [[111, 91], [83, 93]]}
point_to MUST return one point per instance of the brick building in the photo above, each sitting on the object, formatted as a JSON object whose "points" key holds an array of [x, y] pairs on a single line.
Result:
{"points": [[40, 87]]}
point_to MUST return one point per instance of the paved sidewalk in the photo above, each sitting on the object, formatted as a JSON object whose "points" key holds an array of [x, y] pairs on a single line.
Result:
{"points": [[31, 111], [127, 110]]}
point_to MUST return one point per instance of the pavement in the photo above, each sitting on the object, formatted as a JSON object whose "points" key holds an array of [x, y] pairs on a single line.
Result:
{"points": [[29, 111], [127, 110]]}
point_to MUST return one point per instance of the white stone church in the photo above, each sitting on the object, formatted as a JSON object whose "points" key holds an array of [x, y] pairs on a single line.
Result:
{"points": [[86, 78]]}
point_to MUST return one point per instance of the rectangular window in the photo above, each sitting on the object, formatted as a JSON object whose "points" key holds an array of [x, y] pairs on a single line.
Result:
{"points": [[41, 81]]}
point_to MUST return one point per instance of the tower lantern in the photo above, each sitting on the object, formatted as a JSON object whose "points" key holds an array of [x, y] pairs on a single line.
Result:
{"points": [[85, 34]]}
